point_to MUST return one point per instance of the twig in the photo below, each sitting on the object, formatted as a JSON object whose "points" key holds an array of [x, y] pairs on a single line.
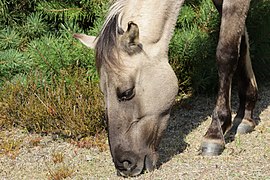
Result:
{"points": [[62, 10], [41, 101]]}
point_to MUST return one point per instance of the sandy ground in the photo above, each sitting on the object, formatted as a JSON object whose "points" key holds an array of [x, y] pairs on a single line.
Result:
{"points": [[247, 157]]}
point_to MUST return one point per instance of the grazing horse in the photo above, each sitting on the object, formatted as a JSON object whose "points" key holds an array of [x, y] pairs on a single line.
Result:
{"points": [[139, 85]]}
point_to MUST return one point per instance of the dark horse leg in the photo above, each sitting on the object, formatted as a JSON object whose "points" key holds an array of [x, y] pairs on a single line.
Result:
{"points": [[232, 53], [247, 90]]}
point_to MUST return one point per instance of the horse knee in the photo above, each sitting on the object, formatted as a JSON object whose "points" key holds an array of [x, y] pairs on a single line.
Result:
{"points": [[226, 56]]}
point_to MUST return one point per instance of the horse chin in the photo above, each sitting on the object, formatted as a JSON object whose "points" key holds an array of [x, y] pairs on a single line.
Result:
{"points": [[147, 164], [134, 173]]}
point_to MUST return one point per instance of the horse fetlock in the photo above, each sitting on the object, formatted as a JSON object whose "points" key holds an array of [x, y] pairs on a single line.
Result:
{"points": [[221, 120]]}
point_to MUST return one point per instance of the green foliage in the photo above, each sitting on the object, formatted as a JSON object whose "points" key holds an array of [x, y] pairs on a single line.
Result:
{"points": [[3, 9], [51, 55], [35, 26], [60, 10], [258, 24], [192, 48], [43, 30], [187, 18], [9, 39], [12, 64], [12, 12], [81, 12]]}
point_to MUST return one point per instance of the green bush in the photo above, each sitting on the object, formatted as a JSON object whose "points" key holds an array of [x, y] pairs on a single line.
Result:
{"points": [[9, 39], [192, 48], [258, 24], [35, 26], [51, 55], [13, 64]]}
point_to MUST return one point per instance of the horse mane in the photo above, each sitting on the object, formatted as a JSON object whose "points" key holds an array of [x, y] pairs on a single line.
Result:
{"points": [[107, 44]]}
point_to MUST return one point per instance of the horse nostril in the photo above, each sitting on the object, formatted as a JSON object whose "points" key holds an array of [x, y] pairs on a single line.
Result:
{"points": [[127, 165], [126, 162]]}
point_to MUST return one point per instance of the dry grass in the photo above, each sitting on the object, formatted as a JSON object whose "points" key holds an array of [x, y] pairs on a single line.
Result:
{"points": [[60, 173], [98, 141], [71, 109], [57, 157], [60, 169], [35, 141], [9, 146]]}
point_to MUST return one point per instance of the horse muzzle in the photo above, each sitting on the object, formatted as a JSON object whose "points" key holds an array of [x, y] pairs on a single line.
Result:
{"points": [[129, 164]]}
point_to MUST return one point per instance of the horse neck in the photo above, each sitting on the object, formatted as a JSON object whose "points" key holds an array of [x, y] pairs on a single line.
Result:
{"points": [[156, 21]]}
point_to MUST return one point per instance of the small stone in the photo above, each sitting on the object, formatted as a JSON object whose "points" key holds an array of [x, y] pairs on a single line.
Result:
{"points": [[88, 158]]}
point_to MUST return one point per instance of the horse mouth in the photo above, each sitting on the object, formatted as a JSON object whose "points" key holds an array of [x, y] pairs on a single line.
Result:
{"points": [[145, 166]]}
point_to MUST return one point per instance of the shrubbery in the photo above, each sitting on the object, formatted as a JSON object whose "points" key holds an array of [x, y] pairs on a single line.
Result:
{"points": [[192, 49], [71, 109], [48, 80]]}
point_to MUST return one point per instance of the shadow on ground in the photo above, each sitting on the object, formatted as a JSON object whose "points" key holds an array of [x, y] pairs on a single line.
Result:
{"points": [[188, 114]]}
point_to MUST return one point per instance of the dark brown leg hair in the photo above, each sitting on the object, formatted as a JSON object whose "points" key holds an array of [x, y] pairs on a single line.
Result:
{"points": [[247, 89], [231, 30]]}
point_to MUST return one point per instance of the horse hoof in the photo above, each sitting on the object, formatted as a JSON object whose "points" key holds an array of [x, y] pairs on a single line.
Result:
{"points": [[244, 128], [212, 149]]}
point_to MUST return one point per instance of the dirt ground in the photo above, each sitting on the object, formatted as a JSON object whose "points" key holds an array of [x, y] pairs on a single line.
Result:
{"points": [[247, 157]]}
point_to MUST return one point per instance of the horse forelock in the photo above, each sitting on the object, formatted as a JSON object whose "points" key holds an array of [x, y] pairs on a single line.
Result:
{"points": [[107, 43]]}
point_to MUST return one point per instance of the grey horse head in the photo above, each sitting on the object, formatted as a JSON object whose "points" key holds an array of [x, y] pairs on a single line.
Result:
{"points": [[139, 88]]}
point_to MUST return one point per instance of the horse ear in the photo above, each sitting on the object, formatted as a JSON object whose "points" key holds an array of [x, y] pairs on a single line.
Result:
{"points": [[130, 39], [89, 41]]}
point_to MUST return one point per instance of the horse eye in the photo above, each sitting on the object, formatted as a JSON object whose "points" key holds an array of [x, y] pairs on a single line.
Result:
{"points": [[126, 95]]}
